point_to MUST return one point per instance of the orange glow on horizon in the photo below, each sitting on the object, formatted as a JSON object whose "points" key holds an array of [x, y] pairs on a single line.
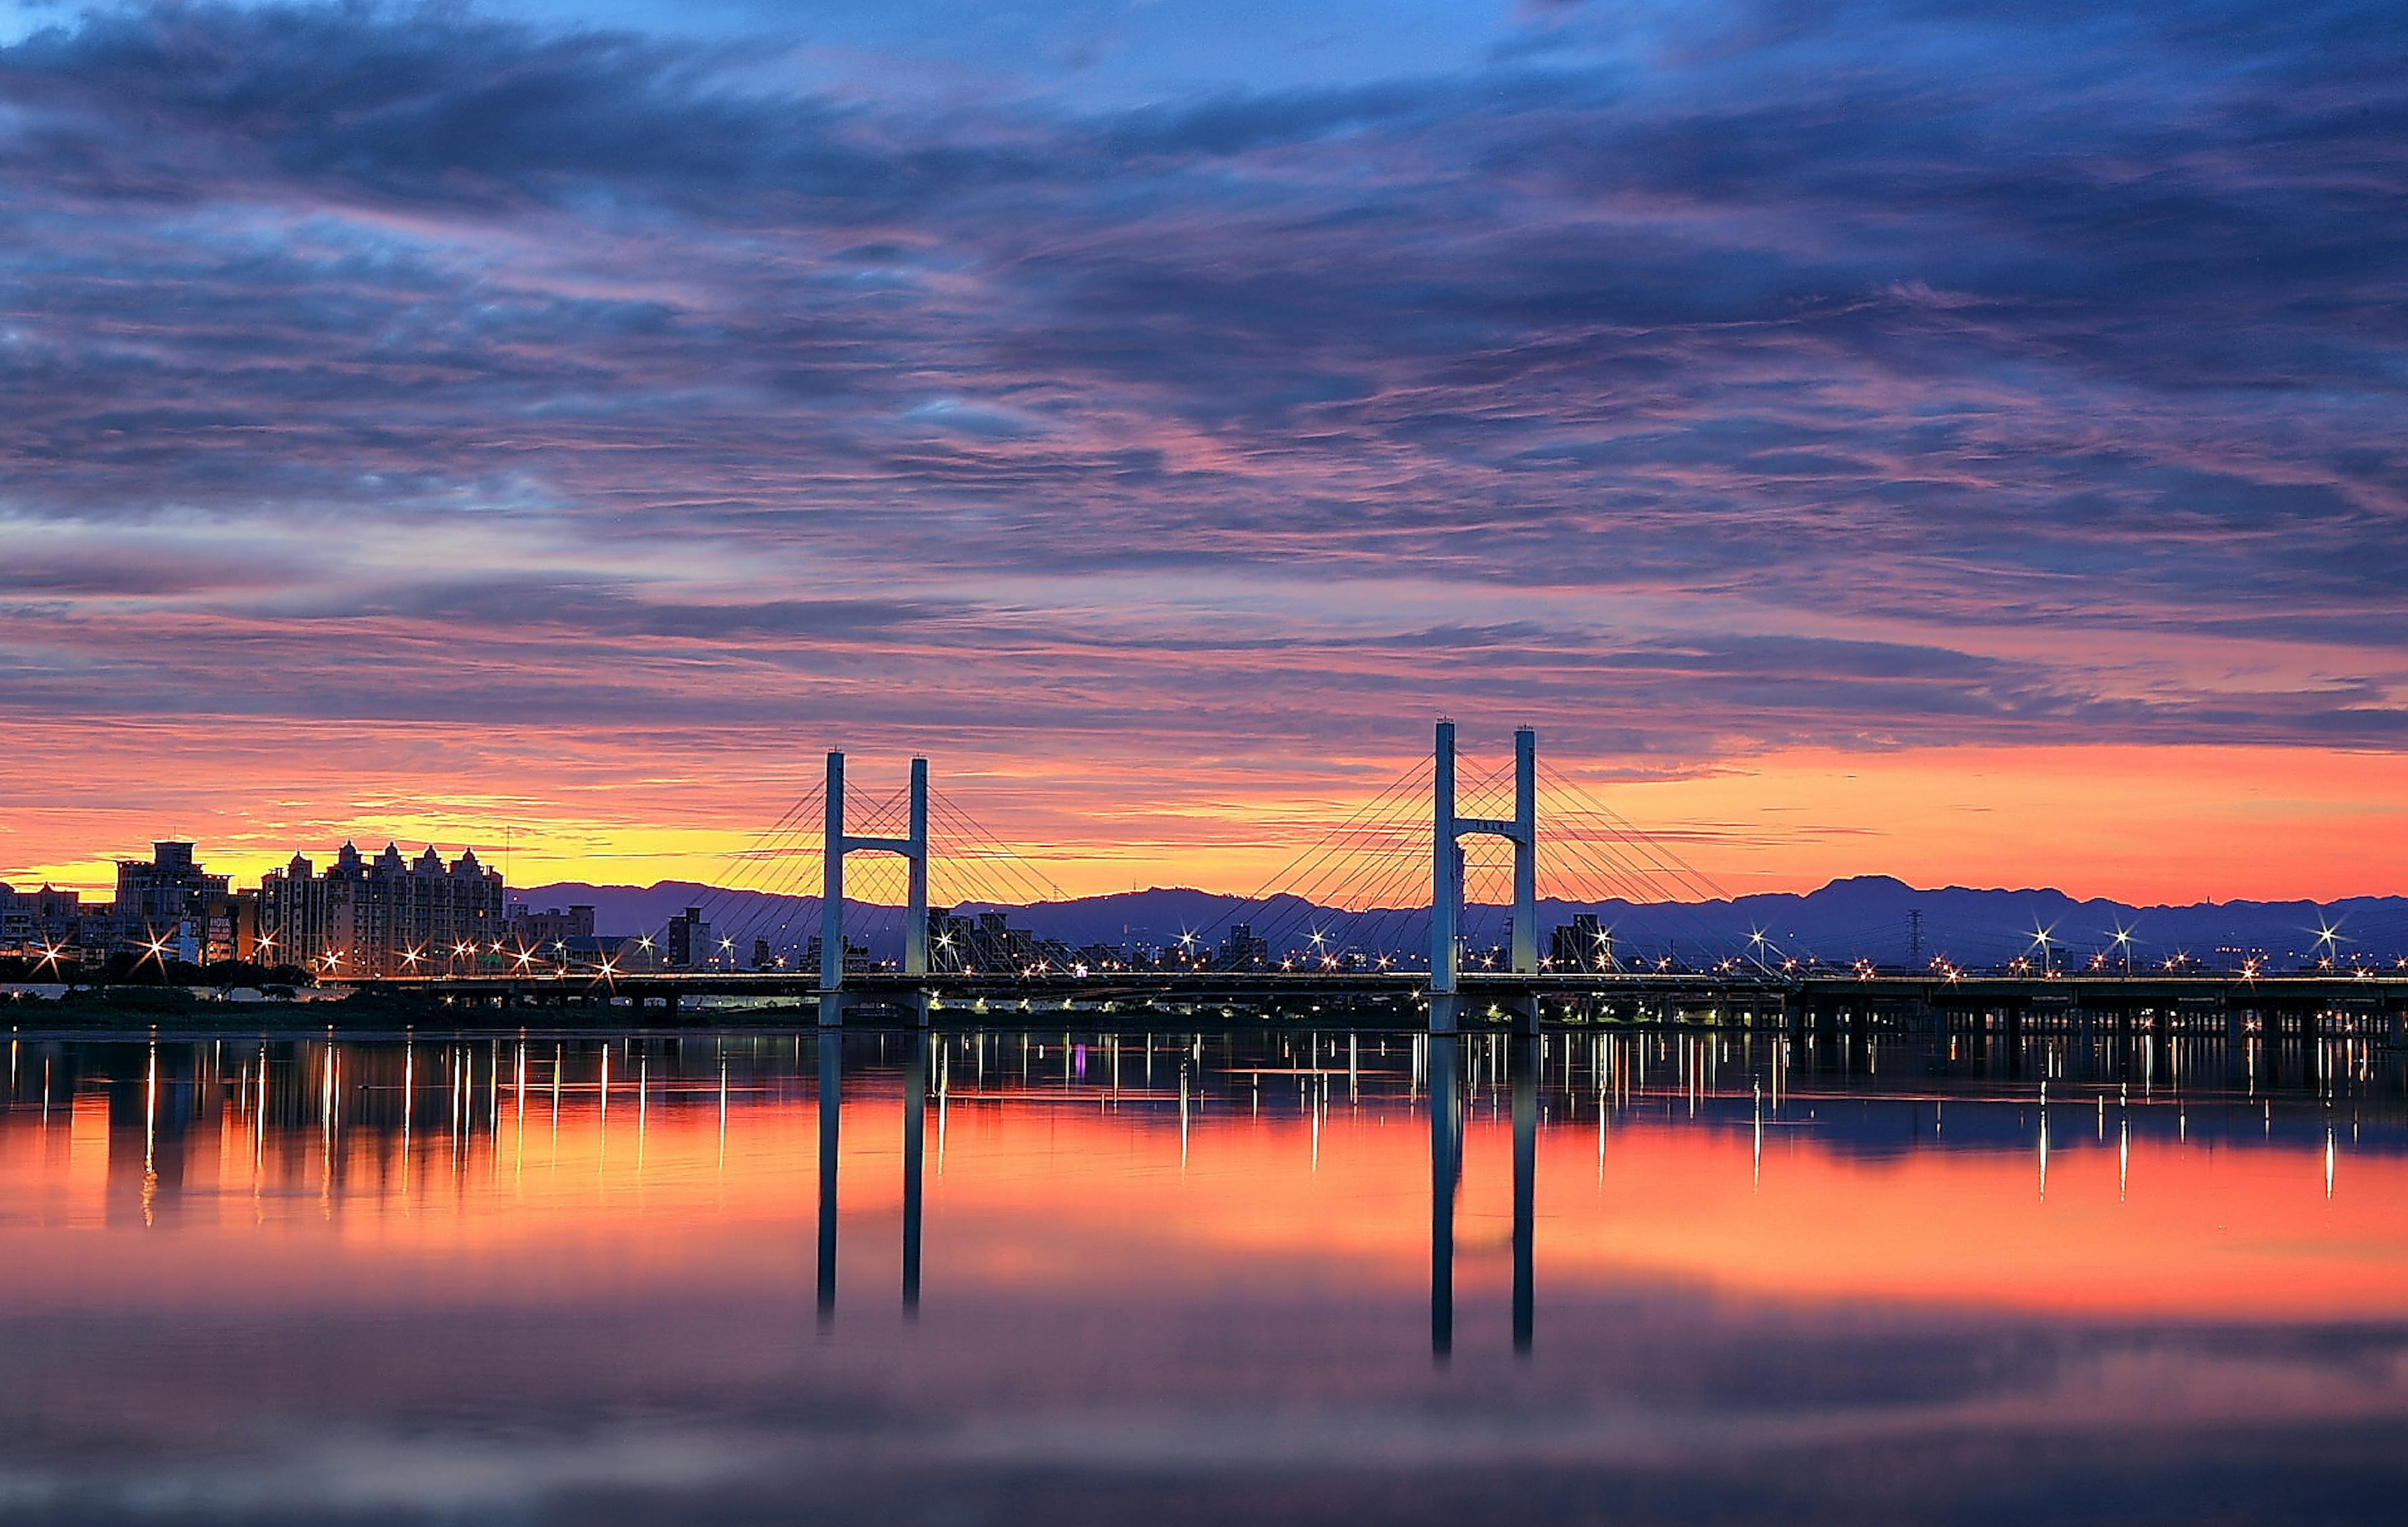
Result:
{"points": [[2145, 824]]}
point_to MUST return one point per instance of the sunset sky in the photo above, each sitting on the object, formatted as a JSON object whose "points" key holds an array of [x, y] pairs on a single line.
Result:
{"points": [[1962, 441]]}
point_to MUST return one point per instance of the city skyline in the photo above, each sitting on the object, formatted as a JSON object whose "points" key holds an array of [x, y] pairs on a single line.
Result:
{"points": [[389, 913], [1941, 441]]}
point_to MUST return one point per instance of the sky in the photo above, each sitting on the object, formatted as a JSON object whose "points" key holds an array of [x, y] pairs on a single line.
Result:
{"points": [[1956, 440]]}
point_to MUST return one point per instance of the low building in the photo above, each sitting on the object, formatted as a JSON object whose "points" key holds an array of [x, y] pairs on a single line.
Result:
{"points": [[1242, 950], [532, 930], [53, 920], [984, 942], [857, 956], [1581, 945], [691, 944], [229, 926]]}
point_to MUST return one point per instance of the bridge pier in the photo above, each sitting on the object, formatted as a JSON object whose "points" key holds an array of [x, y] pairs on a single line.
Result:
{"points": [[1523, 1010]]}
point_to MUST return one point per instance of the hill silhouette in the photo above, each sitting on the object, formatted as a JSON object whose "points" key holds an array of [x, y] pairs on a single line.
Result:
{"points": [[1864, 917]]}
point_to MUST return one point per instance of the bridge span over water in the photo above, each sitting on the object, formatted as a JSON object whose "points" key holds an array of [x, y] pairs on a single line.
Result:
{"points": [[1413, 837]]}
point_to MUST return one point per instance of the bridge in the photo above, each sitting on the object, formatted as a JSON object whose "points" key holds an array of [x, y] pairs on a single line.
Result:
{"points": [[1418, 852]]}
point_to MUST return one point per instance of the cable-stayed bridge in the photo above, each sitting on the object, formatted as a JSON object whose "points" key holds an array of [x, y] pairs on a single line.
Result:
{"points": [[1421, 908]]}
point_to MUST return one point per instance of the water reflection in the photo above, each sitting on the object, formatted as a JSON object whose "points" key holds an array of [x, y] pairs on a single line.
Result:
{"points": [[1525, 1172], [916, 1131], [1444, 1062], [831, 1113], [1446, 1176], [1181, 1273]]}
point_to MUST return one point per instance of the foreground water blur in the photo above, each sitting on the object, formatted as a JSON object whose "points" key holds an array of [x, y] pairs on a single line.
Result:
{"points": [[1054, 1276]]}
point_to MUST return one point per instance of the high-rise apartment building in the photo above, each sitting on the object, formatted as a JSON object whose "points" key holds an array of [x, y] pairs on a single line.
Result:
{"points": [[384, 916], [167, 889]]}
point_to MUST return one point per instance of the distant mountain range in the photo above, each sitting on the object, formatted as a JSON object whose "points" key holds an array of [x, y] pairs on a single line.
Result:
{"points": [[1866, 917]]}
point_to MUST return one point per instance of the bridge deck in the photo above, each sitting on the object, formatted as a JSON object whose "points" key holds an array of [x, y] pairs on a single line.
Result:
{"points": [[1752, 989]]}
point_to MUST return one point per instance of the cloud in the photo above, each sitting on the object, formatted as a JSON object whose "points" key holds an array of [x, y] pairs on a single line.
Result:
{"points": [[1744, 373]]}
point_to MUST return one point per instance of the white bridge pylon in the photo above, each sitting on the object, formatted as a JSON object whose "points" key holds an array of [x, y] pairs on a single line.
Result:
{"points": [[836, 843], [1446, 868]]}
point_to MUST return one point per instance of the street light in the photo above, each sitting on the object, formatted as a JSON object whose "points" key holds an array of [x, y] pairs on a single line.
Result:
{"points": [[2039, 936]]}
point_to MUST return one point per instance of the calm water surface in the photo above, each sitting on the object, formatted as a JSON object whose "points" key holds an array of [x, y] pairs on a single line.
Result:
{"points": [[1049, 1277]]}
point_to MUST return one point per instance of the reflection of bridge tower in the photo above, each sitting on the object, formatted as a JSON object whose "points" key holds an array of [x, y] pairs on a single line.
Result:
{"points": [[1446, 1180], [1446, 879], [1444, 1057], [834, 845]]}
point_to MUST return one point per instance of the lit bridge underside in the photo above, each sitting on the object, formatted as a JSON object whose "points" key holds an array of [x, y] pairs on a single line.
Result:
{"points": [[866, 992], [2201, 1004]]}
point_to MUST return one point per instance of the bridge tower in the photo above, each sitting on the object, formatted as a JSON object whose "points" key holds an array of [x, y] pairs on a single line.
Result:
{"points": [[1446, 869], [835, 844]]}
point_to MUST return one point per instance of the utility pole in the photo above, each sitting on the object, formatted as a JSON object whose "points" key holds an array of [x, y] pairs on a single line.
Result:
{"points": [[1914, 937]]}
